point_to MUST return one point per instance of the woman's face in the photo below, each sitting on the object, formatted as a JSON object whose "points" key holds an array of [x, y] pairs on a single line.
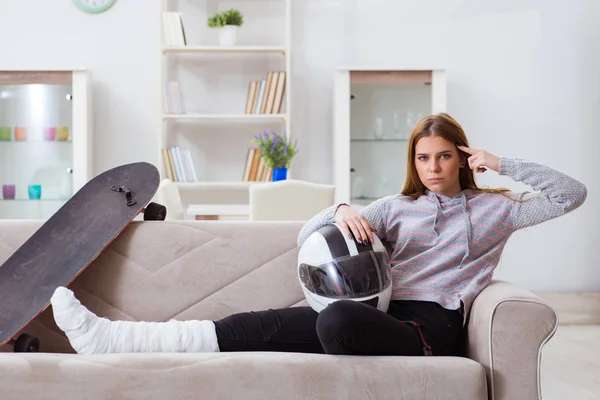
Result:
{"points": [[438, 165]]}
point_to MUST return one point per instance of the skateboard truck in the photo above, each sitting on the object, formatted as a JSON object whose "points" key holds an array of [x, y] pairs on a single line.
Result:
{"points": [[152, 211], [128, 196]]}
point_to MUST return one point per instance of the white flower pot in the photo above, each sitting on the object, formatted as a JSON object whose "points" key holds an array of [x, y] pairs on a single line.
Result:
{"points": [[228, 35]]}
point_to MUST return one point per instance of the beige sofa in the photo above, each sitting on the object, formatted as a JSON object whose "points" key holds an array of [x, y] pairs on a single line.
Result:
{"points": [[209, 269]]}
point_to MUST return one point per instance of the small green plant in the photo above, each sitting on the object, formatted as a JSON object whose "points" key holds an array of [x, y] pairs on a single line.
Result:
{"points": [[276, 150], [227, 17]]}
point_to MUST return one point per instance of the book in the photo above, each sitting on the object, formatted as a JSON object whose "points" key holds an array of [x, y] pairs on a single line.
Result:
{"points": [[271, 96], [279, 93], [190, 165], [255, 96], [254, 168], [168, 164], [259, 98], [250, 98], [173, 98], [263, 107], [173, 30], [248, 165], [179, 164]]}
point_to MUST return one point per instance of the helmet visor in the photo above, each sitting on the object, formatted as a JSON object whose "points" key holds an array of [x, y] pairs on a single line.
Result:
{"points": [[346, 277]]}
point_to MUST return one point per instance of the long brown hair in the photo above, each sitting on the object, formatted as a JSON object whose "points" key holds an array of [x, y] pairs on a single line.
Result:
{"points": [[448, 128]]}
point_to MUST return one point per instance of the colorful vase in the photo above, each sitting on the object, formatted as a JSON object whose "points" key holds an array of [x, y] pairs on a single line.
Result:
{"points": [[8, 192], [20, 133], [62, 133], [35, 192], [50, 133], [279, 174], [5, 133]]}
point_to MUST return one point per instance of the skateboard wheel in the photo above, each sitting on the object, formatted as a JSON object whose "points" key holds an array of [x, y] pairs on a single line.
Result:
{"points": [[26, 344], [155, 212]]}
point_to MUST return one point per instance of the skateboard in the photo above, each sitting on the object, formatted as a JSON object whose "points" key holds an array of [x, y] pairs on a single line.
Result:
{"points": [[69, 241]]}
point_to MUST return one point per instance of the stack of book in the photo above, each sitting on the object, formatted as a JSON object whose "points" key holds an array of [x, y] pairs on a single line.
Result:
{"points": [[179, 164], [266, 96], [256, 170], [173, 98]]}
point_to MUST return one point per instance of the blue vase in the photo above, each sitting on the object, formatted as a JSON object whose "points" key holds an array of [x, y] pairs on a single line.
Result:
{"points": [[279, 174]]}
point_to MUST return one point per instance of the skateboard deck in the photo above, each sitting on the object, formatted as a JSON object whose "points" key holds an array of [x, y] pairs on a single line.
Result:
{"points": [[70, 240]]}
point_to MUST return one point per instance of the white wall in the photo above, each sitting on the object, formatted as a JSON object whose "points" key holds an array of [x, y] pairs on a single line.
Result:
{"points": [[119, 47], [523, 80]]}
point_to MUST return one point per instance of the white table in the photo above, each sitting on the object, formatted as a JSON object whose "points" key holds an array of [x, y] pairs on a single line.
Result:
{"points": [[213, 211]]}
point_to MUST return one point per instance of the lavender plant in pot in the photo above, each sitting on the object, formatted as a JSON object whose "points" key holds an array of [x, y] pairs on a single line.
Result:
{"points": [[277, 152]]}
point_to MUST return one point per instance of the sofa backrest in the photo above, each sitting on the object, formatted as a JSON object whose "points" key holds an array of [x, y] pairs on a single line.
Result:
{"points": [[157, 271]]}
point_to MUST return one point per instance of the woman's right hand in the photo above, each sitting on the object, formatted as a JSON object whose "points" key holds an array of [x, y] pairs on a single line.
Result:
{"points": [[351, 220]]}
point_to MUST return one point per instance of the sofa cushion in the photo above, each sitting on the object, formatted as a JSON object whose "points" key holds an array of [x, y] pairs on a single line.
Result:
{"points": [[239, 376], [157, 271]]}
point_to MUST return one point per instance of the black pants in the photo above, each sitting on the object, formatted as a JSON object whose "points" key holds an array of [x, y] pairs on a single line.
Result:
{"points": [[410, 328]]}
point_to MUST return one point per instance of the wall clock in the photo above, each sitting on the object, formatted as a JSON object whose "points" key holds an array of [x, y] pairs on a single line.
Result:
{"points": [[94, 6]]}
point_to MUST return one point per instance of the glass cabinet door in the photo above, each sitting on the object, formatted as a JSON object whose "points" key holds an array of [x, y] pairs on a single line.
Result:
{"points": [[36, 136], [375, 114]]}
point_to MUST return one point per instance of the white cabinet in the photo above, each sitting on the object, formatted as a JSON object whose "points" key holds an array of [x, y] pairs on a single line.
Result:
{"points": [[45, 140], [375, 111]]}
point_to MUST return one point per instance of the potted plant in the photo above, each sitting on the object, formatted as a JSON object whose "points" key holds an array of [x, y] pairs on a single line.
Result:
{"points": [[228, 22], [277, 151]]}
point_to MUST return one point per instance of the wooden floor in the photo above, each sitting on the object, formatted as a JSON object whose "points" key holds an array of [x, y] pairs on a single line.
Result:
{"points": [[571, 364]]}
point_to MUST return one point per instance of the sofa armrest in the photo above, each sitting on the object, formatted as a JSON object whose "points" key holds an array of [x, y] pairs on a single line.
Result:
{"points": [[507, 328]]}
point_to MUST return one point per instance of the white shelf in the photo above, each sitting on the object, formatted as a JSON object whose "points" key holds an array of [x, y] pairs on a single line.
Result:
{"points": [[33, 202], [257, 117], [224, 49], [216, 184]]}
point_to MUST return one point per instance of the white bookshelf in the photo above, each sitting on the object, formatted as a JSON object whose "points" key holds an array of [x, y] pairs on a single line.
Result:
{"points": [[249, 117], [224, 49], [214, 125], [220, 184]]}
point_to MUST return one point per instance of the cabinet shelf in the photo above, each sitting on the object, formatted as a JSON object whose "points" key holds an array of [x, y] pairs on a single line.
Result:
{"points": [[34, 141], [224, 49], [59, 201], [249, 117]]}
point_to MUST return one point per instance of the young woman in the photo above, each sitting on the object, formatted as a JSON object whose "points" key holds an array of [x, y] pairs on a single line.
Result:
{"points": [[447, 237]]}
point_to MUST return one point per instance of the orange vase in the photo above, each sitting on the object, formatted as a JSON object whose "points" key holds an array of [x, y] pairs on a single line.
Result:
{"points": [[20, 133]]}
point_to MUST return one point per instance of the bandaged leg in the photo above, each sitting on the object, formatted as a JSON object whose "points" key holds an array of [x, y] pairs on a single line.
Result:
{"points": [[89, 334]]}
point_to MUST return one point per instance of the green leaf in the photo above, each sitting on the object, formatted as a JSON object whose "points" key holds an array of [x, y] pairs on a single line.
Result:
{"points": [[276, 150], [227, 17]]}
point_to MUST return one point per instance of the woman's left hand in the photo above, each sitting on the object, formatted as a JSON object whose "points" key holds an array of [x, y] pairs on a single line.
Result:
{"points": [[480, 159]]}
